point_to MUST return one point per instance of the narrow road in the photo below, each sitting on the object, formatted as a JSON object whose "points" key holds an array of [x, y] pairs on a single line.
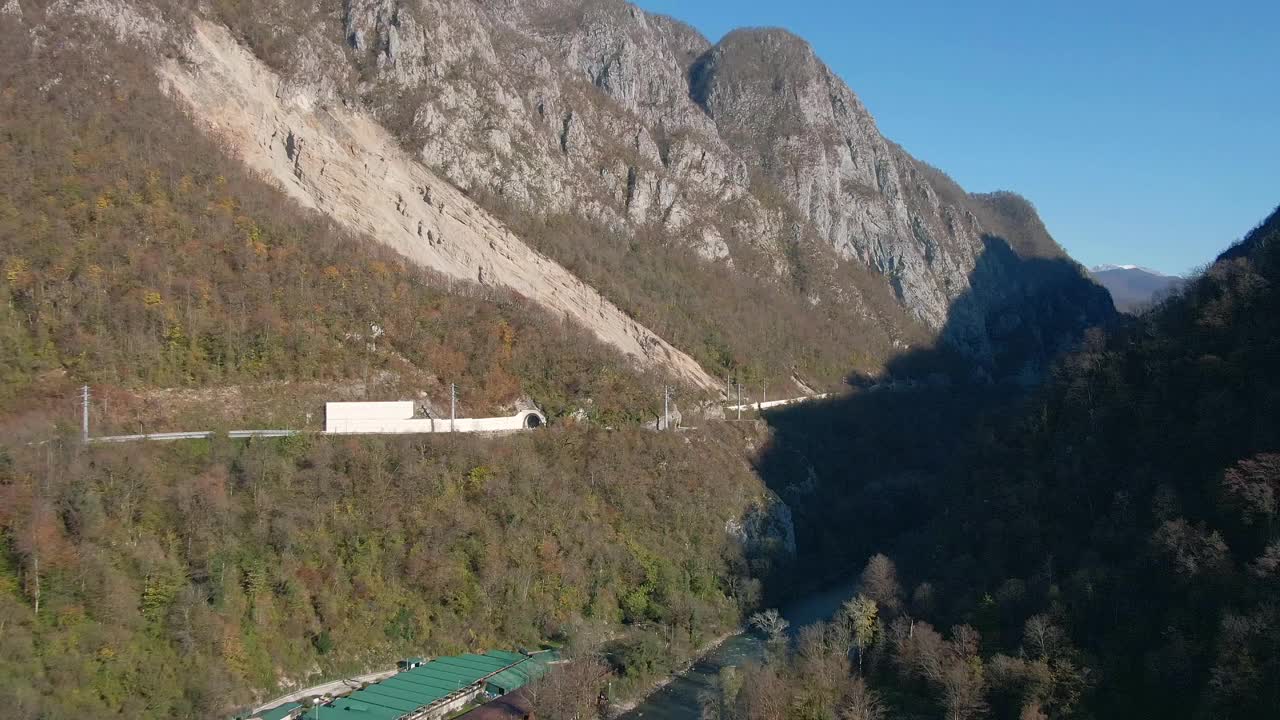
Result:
{"points": [[776, 403], [330, 688]]}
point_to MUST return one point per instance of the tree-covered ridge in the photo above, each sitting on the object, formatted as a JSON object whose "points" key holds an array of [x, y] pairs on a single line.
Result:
{"points": [[181, 581], [137, 254], [1107, 548], [186, 580]]}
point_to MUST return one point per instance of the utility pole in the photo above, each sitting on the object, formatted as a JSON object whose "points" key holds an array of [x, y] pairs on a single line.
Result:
{"points": [[666, 407], [84, 419], [764, 396], [453, 406], [739, 400]]}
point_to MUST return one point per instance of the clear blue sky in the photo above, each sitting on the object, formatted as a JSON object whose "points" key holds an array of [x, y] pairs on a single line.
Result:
{"points": [[1145, 132]]}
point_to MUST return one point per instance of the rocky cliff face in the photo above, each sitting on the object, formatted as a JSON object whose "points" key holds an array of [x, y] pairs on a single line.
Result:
{"points": [[800, 127], [751, 152], [634, 120]]}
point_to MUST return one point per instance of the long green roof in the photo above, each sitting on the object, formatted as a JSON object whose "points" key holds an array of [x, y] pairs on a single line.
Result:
{"points": [[412, 691]]}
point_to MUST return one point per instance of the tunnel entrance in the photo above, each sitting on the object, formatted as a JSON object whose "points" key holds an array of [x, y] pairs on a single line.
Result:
{"points": [[533, 420]]}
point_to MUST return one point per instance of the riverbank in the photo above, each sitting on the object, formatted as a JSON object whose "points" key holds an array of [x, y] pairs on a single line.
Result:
{"points": [[620, 709], [679, 696]]}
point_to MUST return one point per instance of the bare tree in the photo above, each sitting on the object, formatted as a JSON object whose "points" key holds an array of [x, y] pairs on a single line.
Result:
{"points": [[963, 690], [771, 623], [1041, 637], [962, 681], [953, 667], [821, 665], [861, 703], [1254, 487], [880, 583], [923, 600], [765, 694], [569, 690]]}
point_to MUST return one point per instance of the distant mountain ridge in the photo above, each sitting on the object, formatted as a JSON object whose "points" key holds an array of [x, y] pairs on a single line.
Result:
{"points": [[1134, 287], [1109, 267]]}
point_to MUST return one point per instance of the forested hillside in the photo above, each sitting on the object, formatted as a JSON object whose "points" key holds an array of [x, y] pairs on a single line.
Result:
{"points": [[185, 581], [138, 255], [1107, 548], [1101, 546]]}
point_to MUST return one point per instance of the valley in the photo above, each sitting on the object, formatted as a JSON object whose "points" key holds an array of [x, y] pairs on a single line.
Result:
{"points": [[438, 328]]}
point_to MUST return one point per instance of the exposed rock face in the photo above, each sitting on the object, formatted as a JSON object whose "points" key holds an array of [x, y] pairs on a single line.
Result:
{"points": [[765, 528], [561, 107], [632, 119], [344, 164], [800, 126], [742, 150]]}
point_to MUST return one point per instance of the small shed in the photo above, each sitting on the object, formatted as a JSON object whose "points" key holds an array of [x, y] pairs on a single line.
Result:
{"points": [[409, 663]]}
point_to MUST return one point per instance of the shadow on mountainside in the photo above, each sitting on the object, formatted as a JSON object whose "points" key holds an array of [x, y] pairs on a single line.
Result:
{"points": [[862, 472], [1127, 506]]}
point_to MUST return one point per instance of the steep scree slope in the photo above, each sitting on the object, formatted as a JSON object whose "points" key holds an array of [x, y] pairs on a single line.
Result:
{"points": [[343, 163]]}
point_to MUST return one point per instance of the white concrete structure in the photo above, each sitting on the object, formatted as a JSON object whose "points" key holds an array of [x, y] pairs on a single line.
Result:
{"points": [[776, 403], [397, 418]]}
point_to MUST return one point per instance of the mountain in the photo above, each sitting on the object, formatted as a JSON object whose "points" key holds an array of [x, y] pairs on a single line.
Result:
{"points": [[751, 152], [729, 206], [196, 579], [222, 214], [1103, 547], [1134, 288]]}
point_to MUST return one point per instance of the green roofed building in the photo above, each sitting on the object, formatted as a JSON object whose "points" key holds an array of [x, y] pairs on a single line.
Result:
{"points": [[436, 688]]}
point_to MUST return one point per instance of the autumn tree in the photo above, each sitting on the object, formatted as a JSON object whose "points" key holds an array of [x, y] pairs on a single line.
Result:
{"points": [[765, 694], [879, 582], [952, 667], [821, 666], [861, 614], [570, 690], [861, 703]]}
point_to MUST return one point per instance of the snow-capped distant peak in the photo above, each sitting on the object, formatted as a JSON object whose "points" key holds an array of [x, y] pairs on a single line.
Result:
{"points": [[1139, 268]]}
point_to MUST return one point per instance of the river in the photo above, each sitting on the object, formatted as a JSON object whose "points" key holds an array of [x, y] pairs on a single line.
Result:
{"points": [[679, 699]]}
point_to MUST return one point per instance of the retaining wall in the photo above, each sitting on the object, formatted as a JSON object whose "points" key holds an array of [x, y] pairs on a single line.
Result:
{"points": [[396, 418], [775, 403]]}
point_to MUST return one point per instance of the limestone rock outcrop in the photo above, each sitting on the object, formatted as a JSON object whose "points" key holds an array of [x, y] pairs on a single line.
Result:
{"points": [[634, 119], [750, 151], [344, 164]]}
